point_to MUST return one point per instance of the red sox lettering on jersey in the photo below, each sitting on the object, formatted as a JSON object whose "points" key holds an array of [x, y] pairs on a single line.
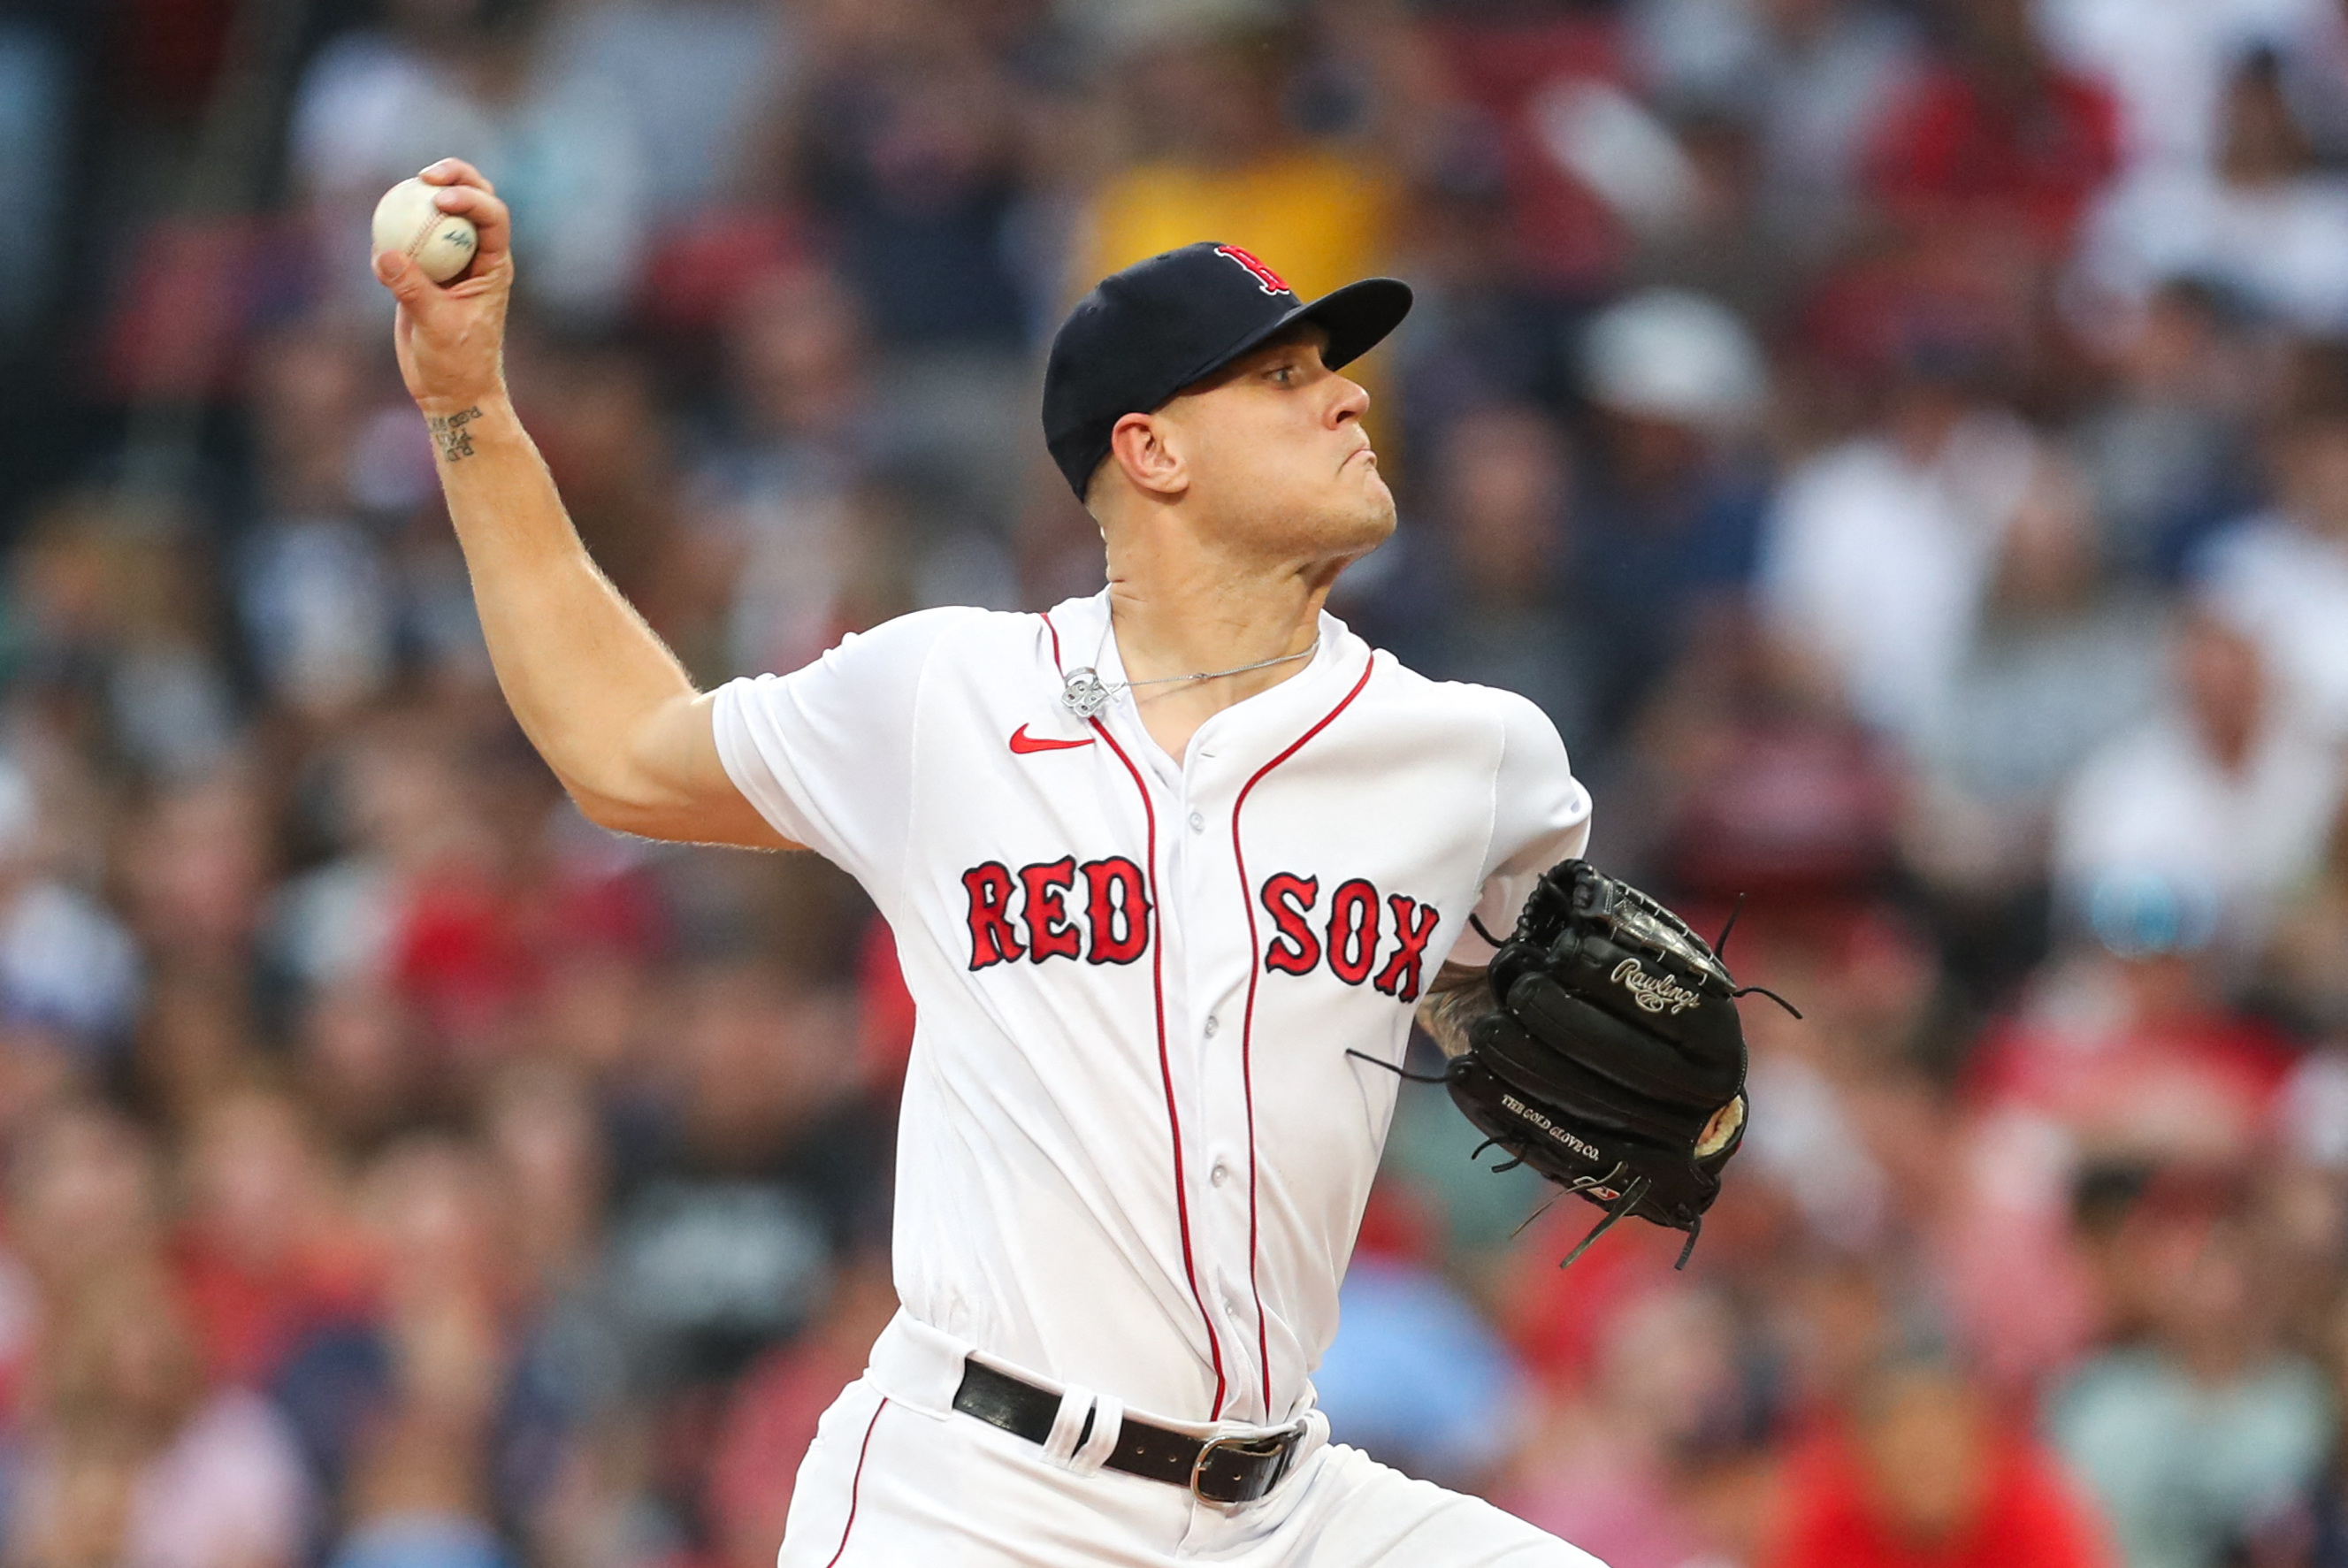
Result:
{"points": [[1027, 913], [1134, 1152]]}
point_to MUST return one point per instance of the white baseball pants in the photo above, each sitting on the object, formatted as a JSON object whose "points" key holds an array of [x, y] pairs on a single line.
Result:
{"points": [[896, 1475]]}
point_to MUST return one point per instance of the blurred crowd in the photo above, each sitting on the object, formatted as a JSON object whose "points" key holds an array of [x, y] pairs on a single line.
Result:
{"points": [[1903, 444]]}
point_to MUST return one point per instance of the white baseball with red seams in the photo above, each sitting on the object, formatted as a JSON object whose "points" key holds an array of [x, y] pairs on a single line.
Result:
{"points": [[409, 223], [1134, 1152]]}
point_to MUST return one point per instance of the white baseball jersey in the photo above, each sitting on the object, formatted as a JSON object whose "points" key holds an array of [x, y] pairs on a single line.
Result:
{"points": [[1134, 1152]]}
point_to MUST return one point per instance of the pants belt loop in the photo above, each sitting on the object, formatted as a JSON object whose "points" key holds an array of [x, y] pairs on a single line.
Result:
{"points": [[1108, 1421], [1075, 1404]]}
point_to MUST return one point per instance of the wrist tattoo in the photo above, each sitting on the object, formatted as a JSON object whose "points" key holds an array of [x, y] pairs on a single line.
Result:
{"points": [[450, 435], [1458, 999]]}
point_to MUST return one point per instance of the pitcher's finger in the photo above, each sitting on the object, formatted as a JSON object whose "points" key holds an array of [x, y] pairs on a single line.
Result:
{"points": [[455, 172], [406, 281], [492, 222]]}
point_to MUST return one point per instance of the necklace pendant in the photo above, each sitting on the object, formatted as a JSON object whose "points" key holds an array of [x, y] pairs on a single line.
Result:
{"points": [[1083, 693]]}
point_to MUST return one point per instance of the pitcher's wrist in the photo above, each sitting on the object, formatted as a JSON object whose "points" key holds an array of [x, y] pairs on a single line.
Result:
{"points": [[454, 423], [484, 394]]}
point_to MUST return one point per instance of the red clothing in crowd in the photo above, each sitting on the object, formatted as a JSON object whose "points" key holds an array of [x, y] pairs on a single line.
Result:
{"points": [[1518, 74], [2029, 1518], [2141, 1072], [1952, 152], [248, 1323]]}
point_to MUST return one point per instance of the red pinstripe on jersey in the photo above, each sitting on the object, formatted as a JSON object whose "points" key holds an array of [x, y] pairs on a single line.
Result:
{"points": [[857, 1484], [1247, 1019]]}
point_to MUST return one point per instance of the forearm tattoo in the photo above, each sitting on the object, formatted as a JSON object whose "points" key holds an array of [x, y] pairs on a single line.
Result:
{"points": [[1458, 999], [451, 437]]}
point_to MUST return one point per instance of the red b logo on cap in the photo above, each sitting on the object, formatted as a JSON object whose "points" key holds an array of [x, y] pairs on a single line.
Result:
{"points": [[1266, 279]]}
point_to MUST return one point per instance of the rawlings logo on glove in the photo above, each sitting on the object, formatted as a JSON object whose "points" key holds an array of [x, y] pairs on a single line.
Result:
{"points": [[1653, 992]]}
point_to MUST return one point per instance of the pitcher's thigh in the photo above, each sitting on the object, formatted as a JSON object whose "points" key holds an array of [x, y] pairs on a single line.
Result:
{"points": [[1359, 1514], [830, 1479]]}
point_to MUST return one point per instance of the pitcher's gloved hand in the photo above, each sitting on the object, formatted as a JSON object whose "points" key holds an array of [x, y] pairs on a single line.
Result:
{"points": [[1614, 1065]]}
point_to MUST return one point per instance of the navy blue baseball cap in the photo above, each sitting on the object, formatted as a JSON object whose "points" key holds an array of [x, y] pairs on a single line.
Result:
{"points": [[1162, 324]]}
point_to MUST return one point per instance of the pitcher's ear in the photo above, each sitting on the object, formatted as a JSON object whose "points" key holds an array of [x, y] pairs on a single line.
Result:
{"points": [[1142, 447]]}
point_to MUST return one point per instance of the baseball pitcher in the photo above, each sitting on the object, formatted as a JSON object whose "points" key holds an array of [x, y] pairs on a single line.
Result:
{"points": [[1171, 870]]}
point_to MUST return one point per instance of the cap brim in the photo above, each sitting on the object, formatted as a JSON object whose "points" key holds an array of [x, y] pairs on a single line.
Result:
{"points": [[1356, 317]]}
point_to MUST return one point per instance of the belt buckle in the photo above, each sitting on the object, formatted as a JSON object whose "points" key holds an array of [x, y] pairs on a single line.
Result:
{"points": [[1280, 1445]]}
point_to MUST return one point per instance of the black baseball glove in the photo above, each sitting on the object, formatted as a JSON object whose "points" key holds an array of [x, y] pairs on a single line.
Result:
{"points": [[1615, 1063]]}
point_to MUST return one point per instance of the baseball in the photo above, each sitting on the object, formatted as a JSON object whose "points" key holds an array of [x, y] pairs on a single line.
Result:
{"points": [[405, 220]]}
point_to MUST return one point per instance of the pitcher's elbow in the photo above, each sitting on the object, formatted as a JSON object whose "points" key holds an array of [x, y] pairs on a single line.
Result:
{"points": [[622, 813]]}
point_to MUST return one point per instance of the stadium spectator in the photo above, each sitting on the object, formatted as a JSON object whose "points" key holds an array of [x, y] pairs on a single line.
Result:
{"points": [[2166, 444], [2058, 661], [2266, 222], [129, 1458], [1613, 1473], [2282, 574], [1877, 551], [2166, 66], [1481, 596], [1670, 505], [1925, 1473], [1218, 158], [2260, 1419], [2225, 761], [1815, 78], [1995, 134], [256, 1258]]}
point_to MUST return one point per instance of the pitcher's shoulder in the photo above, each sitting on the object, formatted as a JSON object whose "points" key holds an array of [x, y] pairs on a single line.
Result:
{"points": [[1451, 703], [966, 633]]}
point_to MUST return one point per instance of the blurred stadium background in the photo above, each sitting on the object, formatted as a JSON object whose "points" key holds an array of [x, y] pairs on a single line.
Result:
{"points": [[1904, 443]]}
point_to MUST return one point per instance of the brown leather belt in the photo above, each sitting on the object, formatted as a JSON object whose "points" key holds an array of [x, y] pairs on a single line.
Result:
{"points": [[1217, 1469]]}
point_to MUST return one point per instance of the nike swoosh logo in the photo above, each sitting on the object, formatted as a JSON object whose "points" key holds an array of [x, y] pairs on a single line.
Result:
{"points": [[1023, 744]]}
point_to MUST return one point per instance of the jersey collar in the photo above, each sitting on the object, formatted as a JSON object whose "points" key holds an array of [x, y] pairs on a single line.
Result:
{"points": [[1272, 717]]}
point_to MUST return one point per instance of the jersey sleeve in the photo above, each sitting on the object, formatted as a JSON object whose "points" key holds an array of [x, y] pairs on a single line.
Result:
{"points": [[825, 753], [1540, 815]]}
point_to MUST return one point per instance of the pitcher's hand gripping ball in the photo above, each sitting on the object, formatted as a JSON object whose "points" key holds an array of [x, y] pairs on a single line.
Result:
{"points": [[408, 221], [1615, 1064]]}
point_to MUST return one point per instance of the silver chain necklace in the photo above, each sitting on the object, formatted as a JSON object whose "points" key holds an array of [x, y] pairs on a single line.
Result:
{"points": [[1085, 694]]}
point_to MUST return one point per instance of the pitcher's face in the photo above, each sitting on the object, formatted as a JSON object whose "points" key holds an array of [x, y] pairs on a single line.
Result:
{"points": [[1276, 455]]}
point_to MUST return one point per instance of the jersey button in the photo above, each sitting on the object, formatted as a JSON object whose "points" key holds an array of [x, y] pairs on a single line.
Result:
{"points": [[1221, 1174], [1198, 823], [1213, 1023]]}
